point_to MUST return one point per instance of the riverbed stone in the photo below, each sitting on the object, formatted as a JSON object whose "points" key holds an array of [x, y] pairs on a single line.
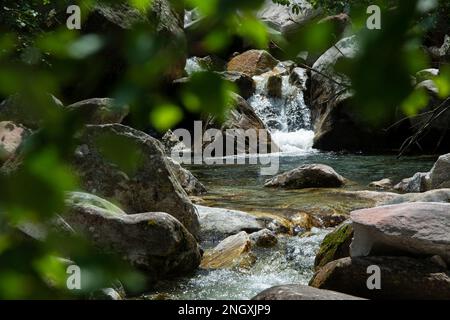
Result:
{"points": [[416, 229], [335, 245], [149, 186], [154, 242], [440, 173], [301, 292], [232, 253], [274, 87], [253, 62], [219, 223], [420, 182], [383, 184], [264, 238], [401, 278], [439, 195], [307, 176]]}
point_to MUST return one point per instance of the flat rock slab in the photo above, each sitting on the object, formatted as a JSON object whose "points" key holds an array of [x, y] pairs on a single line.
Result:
{"points": [[301, 292], [420, 228], [218, 223], [439, 195]]}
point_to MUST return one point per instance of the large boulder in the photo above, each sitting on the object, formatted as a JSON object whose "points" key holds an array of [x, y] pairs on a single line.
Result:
{"points": [[336, 125], [307, 176], [335, 245], [11, 138], [99, 111], [154, 242], [401, 278], [239, 119], [440, 173], [213, 228], [233, 252], [150, 187], [301, 292], [253, 63], [419, 229]]}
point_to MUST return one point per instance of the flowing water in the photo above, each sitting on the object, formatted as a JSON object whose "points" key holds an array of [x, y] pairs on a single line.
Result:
{"points": [[240, 187]]}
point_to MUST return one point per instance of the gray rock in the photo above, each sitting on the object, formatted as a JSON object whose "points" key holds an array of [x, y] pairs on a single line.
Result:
{"points": [[99, 111], [439, 195], [420, 182], [188, 181], [440, 173], [384, 184], [243, 82], [307, 176], [301, 292], [150, 187], [420, 229], [155, 242], [401, 278], [218, 223], [297, 77], [242, 117]]}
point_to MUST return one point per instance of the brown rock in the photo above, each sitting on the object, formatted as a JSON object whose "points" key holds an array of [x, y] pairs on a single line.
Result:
{"points": [[233, 252], [252, 62], [401, 278]]}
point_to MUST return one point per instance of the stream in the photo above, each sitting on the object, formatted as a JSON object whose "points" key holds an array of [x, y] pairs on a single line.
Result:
{"points": [[240, 187]]}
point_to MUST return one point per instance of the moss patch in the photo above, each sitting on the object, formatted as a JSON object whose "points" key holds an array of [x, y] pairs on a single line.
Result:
{"points": [[336, 245]]}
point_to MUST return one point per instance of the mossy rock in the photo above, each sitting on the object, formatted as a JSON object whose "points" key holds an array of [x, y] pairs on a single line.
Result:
{"points": [[336, 245]]}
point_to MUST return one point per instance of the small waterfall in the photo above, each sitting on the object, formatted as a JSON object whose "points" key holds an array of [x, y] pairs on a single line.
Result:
{"points": [[280, 105], [279, 102]]}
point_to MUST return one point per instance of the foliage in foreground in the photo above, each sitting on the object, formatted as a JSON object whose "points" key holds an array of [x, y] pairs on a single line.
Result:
{"points": [[38, 57]]}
